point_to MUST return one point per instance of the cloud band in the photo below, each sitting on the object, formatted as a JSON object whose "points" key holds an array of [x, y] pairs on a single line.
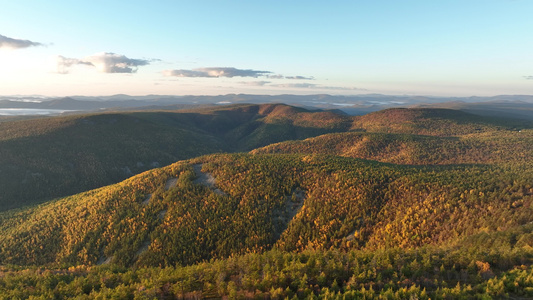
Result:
{"points": [[105, 62], [7, 42], [216, 72]]}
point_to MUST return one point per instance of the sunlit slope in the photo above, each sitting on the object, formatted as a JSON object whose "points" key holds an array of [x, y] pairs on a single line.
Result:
{"points": [[497, 108], [253, 203], [495, 265], [51, 157], [498, 147], [423, 136], [432, 121]]}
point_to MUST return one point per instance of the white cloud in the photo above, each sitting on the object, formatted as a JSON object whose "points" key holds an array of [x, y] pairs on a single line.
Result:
{"points": [[184, 73], [528, 77], [215, 72], [255, 83], [64, 64], [7, 42], [277, 76], [315, 86], [299, 77], [296, 85], [341, 88], [105, 62]]}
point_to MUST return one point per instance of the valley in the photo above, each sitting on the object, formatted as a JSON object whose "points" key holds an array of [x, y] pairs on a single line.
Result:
{"points": [[266, 150], [41, 159], [267, 201]]}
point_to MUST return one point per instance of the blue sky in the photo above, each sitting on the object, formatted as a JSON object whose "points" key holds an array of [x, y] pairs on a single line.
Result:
{"points": [[440, 48]]}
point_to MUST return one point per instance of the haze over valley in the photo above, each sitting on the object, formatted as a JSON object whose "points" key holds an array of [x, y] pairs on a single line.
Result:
{"points": [[519, 106]]}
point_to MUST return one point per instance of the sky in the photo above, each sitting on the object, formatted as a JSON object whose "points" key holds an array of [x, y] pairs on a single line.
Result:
{"points": [[410, 47]]}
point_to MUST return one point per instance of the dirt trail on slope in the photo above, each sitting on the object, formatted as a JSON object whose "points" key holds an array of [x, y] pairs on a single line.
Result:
{"points": [[143, 248], [147, 199], [205, 179], [102, 260], [171, 182], [293, 204]]}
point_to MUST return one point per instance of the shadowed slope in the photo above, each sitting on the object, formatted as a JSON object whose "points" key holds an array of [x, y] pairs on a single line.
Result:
{"points": [[51, 157]]}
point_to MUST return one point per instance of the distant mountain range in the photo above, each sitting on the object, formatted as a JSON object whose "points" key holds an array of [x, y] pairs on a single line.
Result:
{"points": [[510, 105]]}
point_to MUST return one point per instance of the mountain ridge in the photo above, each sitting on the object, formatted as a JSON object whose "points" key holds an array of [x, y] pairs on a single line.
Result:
{"points": [[425, 203], [354, 105], [50, 157]]}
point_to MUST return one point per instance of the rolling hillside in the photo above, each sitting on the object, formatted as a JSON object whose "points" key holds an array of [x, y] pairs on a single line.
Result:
{"points": [[422, 137], [500, 147], [287, 202], [511, 108], [44, 158], [231, 205], [387, 210], [50, 157], [433, 121]]}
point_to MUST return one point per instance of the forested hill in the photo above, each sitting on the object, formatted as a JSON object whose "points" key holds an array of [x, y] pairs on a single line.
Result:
{"points": [[433, 121], [175, 215], [280, 225], [498, 147], [377, 208], [50, 157], [423, 137]]}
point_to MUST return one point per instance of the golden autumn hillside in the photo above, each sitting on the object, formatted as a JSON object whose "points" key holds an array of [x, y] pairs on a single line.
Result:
{"points": [[399, 203]]}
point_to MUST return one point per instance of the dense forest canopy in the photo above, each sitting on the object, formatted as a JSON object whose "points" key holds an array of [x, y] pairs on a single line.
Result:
{"points": [[45, 158], [400, 203]]}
